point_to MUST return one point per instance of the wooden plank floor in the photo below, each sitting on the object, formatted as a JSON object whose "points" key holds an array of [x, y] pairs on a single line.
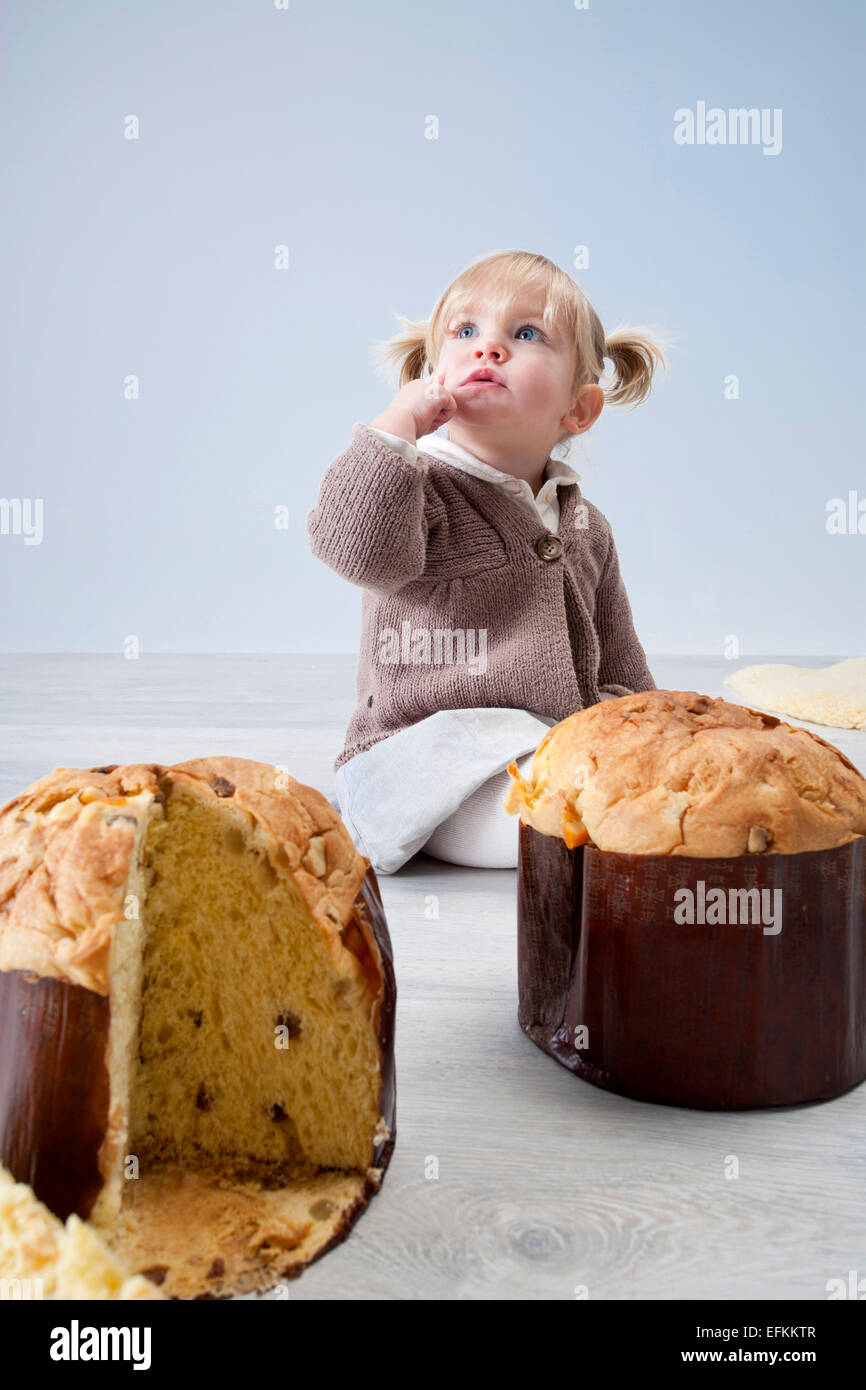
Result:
{"points": [[544, 1185]]}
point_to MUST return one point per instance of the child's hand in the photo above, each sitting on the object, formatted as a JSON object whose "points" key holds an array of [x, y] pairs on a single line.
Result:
{"points": [[418, 408]]}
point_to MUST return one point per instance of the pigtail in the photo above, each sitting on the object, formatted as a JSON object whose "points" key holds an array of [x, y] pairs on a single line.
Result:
{"points": [[636, 354], [405, 354]]}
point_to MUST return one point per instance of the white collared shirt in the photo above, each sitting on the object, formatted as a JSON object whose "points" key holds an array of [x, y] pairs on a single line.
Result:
{"points": [[545, 505]]}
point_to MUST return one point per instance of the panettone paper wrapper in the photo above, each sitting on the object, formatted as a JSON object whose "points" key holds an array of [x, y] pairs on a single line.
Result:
{"points": [[764, 1006]]}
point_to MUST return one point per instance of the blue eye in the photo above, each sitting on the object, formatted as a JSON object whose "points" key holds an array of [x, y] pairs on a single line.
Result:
{"points": [[458, 332]]}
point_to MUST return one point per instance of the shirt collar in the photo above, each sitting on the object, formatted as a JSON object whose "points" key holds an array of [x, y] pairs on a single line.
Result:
{"points": [[555, 470]]}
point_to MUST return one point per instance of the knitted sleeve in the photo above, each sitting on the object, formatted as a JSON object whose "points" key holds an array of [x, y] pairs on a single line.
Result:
{"points": [[623, 667], [369, 523]]}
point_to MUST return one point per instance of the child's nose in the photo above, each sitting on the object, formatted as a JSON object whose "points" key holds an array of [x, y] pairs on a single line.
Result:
{"points": [[490, 347]]}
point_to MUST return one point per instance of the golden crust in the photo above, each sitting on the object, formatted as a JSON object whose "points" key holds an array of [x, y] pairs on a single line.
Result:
{"points": [[677, 772], [67, 850]]}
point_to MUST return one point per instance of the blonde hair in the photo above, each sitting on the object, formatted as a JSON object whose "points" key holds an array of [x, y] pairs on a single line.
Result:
{"points": [[501, 276]]}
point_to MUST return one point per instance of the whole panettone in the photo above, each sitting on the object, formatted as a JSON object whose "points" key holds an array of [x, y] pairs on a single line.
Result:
{"points": [[196, 1017], [692, 903]]}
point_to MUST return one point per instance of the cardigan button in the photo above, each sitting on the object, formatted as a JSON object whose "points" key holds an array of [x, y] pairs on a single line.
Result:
{"points": [[549, 547]]}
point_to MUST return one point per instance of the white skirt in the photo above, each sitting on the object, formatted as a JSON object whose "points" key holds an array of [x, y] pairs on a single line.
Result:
{"points": [[424, 779]]}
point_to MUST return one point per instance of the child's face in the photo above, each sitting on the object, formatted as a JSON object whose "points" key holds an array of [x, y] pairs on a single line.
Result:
{"points": [[534, 364]]}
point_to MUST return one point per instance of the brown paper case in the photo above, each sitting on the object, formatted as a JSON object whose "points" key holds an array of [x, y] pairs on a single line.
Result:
{"points": [[711, 1016]]}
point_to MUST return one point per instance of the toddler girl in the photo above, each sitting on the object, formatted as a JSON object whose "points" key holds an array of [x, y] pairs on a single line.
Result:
{"points": [[493, 605]]}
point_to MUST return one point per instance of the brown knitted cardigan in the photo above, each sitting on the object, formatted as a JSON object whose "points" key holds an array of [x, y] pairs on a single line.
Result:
{"points": [[438, 549]]}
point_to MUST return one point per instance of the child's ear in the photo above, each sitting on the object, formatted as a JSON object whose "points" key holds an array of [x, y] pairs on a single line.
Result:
{"points": [[585, 411]]}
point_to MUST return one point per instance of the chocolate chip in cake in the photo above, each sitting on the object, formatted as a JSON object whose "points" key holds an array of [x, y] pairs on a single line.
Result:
{"points": [[204, 1098], [217, 1269], [291, 1022], [223, 787], [271, 1182], [196, 1015], [156, 1274], [369, 700], [276, 1113], [109, 768]]}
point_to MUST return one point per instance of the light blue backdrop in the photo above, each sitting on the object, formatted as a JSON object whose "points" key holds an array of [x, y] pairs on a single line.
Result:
{"points": [[307, 127]]}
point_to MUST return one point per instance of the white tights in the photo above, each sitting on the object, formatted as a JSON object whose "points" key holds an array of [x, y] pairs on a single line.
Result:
{"points": [[480, 833]]}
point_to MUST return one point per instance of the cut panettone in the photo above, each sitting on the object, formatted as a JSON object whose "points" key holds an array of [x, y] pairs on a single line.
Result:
{"points": [[42, 1258], [196, 1017], [675, 772]]}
